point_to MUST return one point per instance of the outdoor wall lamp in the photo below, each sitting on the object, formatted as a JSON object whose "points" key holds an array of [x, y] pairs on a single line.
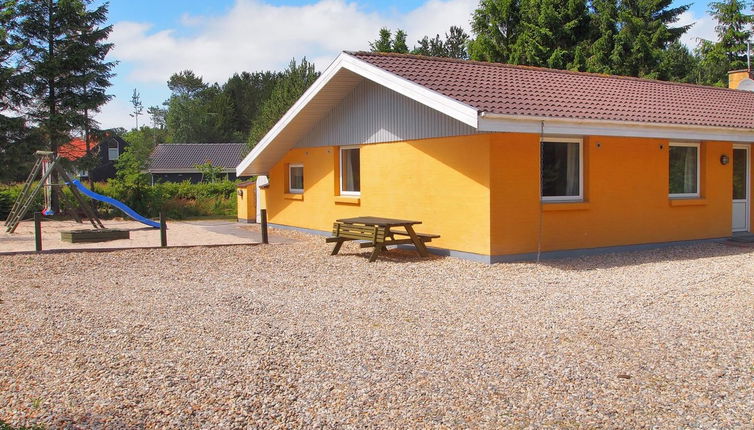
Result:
{"points": [[240, 192], [724, 159]]}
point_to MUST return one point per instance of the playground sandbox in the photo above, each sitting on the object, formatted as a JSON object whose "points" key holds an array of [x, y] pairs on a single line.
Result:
{"points": [[180, 233]]}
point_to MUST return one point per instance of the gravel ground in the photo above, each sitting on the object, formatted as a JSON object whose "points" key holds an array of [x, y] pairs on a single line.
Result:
{"points": [[180, 233], [286, 336]]}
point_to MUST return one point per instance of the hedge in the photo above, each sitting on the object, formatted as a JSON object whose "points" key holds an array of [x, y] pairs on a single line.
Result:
{"points": [[179, 200]]}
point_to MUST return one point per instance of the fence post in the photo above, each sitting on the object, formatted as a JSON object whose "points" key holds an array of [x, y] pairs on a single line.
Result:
{"points": [[163, 230], [38, 231], [263, 215]]}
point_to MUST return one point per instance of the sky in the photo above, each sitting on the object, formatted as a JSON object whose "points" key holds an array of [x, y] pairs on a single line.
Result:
{"points": [[155, 38]]}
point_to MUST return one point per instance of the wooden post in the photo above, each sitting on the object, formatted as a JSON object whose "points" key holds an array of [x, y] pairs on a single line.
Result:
{"points": [[163, 230], [263, 215], [38, 231]]}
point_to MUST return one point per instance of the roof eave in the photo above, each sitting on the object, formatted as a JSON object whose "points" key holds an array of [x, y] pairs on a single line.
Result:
{"points": [[491, 122]]}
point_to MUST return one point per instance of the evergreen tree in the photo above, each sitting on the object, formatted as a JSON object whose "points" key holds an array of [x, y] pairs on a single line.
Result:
{"points": [[62, 49], [733, 30], [61, 43], [644, 34], [291, 86], [246, 93], [399, 42], [386, 42], [496, 24], [15, 151], [454, 45], [603, 30]]}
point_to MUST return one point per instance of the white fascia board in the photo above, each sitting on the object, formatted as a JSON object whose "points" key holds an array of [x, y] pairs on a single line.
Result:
{"points": [[564, 126], [453, 108], [441, 103]]}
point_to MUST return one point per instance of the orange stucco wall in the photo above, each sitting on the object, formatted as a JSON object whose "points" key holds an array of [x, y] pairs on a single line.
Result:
{"points": [[625, 197], [481, 193], [442, 182]]}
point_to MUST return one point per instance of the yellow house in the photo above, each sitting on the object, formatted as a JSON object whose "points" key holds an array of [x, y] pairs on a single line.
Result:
{"points": [[505, 162]]}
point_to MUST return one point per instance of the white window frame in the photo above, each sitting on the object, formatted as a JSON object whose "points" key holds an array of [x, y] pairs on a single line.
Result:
{"points": [[697, 194], [110, 150], [292, 190], [340, 168], [555, 199]]}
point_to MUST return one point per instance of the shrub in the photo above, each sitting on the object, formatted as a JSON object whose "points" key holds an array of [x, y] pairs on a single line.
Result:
{"points": [[179, 200]]}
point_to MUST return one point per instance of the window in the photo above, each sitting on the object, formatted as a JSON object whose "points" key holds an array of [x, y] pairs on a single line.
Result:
{"points": [[684, 169], [295, 178], [562, 170], [350, 171], [112, 151]]}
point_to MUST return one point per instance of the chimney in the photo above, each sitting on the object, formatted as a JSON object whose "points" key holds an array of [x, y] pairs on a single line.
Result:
{"points": [[736, 76]]}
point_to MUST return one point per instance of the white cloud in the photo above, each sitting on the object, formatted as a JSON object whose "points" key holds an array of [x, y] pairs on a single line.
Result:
{"points": [[116, 114], [254, 35], [703, 28]]}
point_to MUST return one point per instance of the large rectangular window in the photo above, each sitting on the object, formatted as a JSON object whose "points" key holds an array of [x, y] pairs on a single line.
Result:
{"points": [[562, 170], [295, 178], [350, 171], [684, 170]]}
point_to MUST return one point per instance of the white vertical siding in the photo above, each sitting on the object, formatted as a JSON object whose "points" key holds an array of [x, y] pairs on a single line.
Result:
{"points": [[372, 113]]}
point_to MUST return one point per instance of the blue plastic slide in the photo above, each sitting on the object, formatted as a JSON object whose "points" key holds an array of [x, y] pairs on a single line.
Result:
{"points": [[117, 203]]}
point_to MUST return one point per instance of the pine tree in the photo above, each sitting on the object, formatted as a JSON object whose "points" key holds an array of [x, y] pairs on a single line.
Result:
{"points": [[733, 30], [384, 42], [14, 153], [496, 24], [291, 86], [62, 49], [399, 42], [644, 33]]}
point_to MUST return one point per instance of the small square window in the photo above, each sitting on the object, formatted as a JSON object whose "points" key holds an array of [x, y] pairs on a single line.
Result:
{"points": [[562, 173], [684, 170], [112, 154], [350, 171], [295, 178]]}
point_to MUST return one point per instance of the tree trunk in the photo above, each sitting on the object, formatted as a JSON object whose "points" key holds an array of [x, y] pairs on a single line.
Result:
{"points": [[52, 104]]}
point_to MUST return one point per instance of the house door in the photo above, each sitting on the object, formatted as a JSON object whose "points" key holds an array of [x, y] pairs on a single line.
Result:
{"points": [[741, 190]]}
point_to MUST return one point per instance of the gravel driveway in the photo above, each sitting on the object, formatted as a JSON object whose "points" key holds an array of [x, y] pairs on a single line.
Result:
{"points": [[287, 336]]}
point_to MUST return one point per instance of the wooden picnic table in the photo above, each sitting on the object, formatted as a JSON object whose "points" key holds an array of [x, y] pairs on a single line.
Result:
{"points": [[379, 232]]}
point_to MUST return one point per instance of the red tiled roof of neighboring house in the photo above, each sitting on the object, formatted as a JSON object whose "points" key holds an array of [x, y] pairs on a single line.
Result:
{"points": [[74, 149], [187, 155], [539, 92]]}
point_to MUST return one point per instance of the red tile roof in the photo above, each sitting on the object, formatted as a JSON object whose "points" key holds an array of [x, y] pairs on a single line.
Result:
{"points": [[538, 92], [74, 149]]}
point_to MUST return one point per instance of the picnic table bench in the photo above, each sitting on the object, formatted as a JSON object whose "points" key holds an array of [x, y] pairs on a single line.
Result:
{"points": [[378, 233]]}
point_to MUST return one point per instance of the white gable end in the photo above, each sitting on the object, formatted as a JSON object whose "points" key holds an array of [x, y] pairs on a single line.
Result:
{"points": [[372, 113]]}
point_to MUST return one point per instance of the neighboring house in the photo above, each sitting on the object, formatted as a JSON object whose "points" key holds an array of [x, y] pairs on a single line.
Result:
{"points": [[506, 161], [107, 152], [176, 162]]}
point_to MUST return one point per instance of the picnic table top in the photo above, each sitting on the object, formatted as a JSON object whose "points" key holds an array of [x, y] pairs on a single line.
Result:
{"points": [[378, 221]]}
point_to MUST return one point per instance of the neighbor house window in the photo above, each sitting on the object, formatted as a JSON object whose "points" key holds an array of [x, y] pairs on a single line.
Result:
{"points": [[562, 169], [295, 178], [350, 171], [684, 169], [112, 151]]}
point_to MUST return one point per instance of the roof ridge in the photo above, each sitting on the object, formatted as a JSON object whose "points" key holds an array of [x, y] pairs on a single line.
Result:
{"points": [[535, 68]]}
